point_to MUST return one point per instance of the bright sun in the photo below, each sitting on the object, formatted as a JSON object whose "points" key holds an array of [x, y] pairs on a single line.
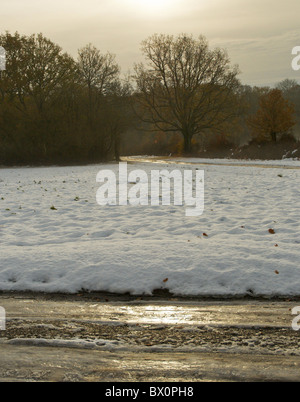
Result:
{"points": [[152, 6]]}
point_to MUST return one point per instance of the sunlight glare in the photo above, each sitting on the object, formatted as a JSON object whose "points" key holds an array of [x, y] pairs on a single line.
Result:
{"points": [[153, 6]]}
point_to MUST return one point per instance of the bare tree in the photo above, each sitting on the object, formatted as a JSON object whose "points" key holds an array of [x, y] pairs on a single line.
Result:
{"points": [[117, 114], [186, 87], [98, 71]]}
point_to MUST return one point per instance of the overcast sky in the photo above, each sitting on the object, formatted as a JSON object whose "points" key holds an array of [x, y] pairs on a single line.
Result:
{"points": [[258, 34]]}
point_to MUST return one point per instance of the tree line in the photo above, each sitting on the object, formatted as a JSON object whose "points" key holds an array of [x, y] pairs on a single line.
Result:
{"points": [[58, 109], [54, 109]]}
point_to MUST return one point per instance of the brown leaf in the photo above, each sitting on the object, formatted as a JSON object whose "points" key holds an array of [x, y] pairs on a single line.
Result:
{"points": [[276, 272], [276, 245], [272, 231], [165, 280], [204, 234]]}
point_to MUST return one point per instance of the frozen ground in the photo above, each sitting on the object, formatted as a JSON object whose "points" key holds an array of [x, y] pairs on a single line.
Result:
{"points": [[80, 245]]}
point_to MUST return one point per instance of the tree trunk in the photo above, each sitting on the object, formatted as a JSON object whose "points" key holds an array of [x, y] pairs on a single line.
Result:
{"points": [[187, 142], [117, 153], [274, 136], [117, 147]]}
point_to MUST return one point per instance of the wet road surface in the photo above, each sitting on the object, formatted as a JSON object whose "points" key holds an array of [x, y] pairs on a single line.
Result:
{"points": [[110, 338]]}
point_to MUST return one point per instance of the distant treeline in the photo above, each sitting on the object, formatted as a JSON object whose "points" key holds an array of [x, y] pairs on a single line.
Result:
{"points": [[55, 109]]}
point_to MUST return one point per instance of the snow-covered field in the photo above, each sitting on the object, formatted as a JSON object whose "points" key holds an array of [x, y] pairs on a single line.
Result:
{"points": [[227, 251]]}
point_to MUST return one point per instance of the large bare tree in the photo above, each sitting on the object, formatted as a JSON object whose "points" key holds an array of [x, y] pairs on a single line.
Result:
{"points": [[185, 87]]}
